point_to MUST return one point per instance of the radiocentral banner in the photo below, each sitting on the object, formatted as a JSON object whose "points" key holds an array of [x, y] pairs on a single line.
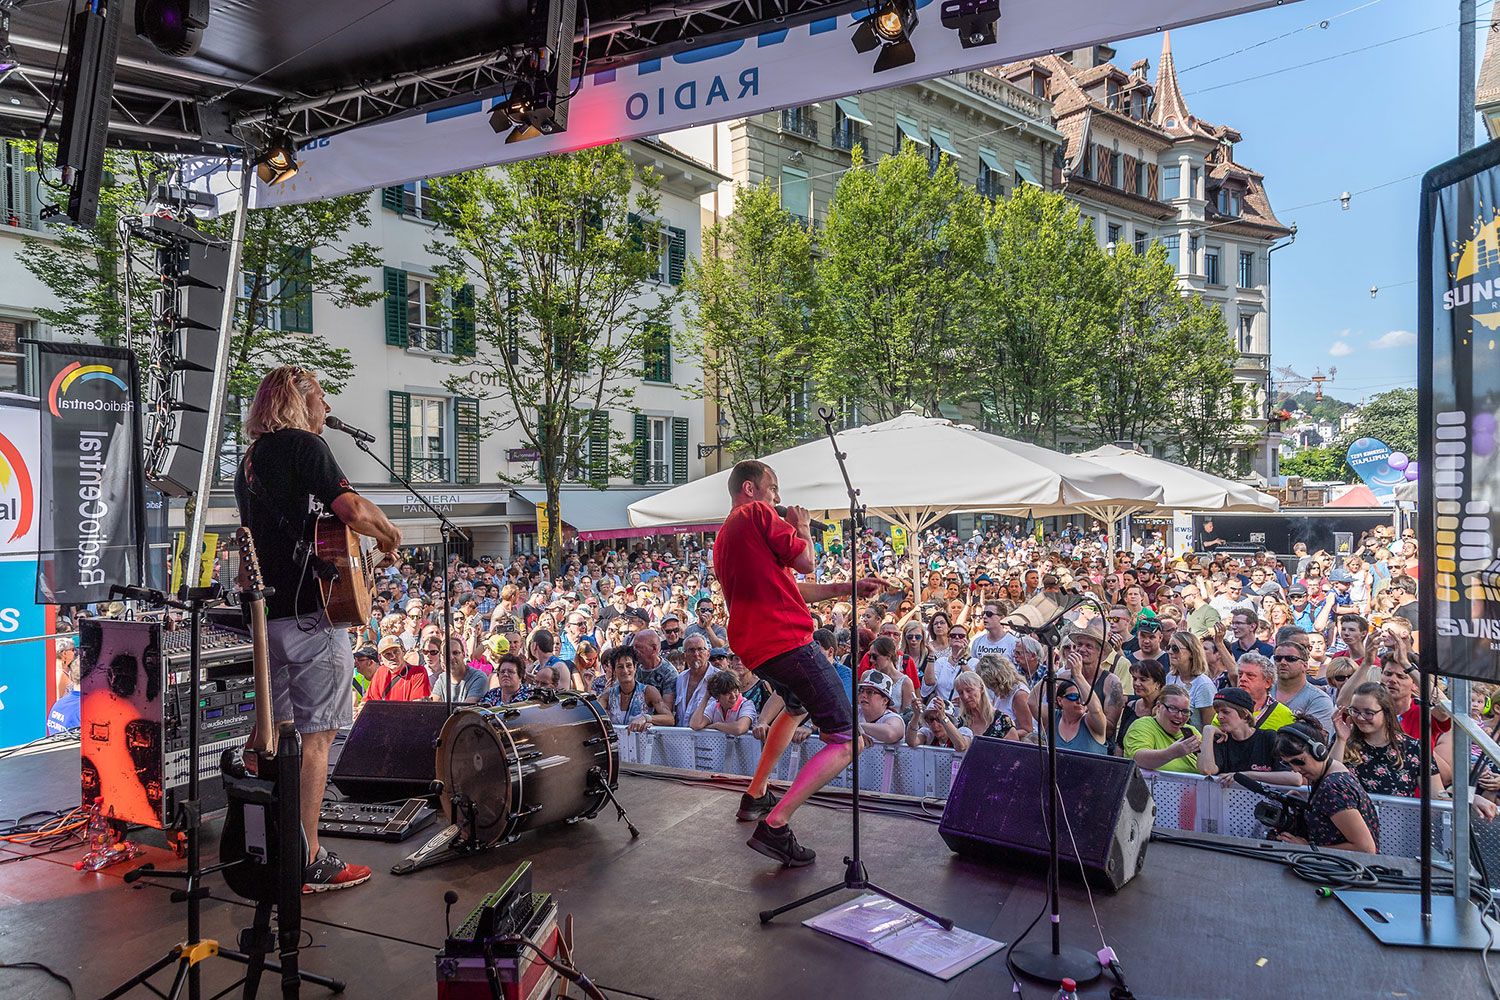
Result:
{"points": [[1459, 388], [91, 502], [778, 69]]}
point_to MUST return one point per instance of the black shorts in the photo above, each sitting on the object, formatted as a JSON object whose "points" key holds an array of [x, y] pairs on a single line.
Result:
{"points": [[808, 683]]}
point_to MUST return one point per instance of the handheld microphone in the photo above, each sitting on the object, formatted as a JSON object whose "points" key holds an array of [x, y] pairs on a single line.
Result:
{"points": [[817, 526], [354, 432]]}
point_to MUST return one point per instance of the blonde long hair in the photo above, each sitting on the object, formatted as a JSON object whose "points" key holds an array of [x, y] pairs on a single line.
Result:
{"points": [[281, 401]]}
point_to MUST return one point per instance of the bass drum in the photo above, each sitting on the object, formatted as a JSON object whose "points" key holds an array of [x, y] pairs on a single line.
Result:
{"points": [[526, 765]]}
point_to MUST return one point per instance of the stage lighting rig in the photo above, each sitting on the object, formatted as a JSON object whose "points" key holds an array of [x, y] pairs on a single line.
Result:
{"points": [[974, 20], [889, 26], [278, 161], [538, 102], [174, 27]]}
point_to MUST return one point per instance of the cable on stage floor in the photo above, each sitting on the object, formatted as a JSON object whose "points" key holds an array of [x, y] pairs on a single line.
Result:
{"points": [[45, 969]]}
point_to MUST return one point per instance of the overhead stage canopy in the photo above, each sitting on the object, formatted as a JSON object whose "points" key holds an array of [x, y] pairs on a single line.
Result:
{"points": [[381, 92]]}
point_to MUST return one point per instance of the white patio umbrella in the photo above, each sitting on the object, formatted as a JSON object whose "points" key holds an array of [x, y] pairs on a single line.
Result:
{"points": [[1183, 488], [913, 470]]}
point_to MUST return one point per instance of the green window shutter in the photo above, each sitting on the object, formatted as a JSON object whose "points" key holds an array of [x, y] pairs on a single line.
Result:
{"points": [[296, 297], [679, 449], [395, 307], [642, 455], [401, 432], [391, 198], [637, 230], [466, 423], [463, 322], [656, 352], [676, 254], [599, 448]]}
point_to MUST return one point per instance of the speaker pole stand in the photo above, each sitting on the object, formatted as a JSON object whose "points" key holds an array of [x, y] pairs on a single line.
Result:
{"points": [[1054, 962], [855, 876]]}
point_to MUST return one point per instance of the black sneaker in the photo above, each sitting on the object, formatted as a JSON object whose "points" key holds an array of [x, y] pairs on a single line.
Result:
{"points": [[753, 809], [328, 872], [781, 844]]}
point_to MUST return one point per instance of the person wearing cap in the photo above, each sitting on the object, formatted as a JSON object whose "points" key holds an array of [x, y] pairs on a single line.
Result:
{"points": [[400, 676], [877, 720], [725, 708], [1147, 640], [1239, 745], [1302, 613], [366, 662], [671, 632]]}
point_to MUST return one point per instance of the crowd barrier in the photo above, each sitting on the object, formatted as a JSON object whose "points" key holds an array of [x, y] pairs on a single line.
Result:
{"points": [[1183, 801]]}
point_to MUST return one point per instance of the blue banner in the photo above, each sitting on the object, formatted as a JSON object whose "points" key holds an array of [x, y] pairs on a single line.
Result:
{"points": [[1370, 458], [24, 687]]}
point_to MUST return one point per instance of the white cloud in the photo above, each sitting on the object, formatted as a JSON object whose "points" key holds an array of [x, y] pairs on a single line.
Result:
{"points": [[1341, 349], [1396, 338], [1343, 333]]}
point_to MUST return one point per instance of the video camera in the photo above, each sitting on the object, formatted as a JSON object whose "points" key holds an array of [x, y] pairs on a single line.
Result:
{"points": [[1279, 812]]}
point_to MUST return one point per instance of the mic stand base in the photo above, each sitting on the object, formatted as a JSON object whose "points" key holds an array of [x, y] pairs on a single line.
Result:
{"points": [[1037, 961]]}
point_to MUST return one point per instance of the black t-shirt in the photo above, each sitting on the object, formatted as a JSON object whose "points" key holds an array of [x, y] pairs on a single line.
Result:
{"points": [[282, 473], [1258, 753], [1408, 611]]}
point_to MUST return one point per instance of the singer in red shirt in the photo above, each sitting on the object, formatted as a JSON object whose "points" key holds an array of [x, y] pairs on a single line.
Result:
{"points": [[755, 556]]}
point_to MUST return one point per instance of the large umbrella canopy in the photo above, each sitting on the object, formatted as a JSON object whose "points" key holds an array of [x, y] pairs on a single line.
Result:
{"points": [[1184, 488], [913, 470]]}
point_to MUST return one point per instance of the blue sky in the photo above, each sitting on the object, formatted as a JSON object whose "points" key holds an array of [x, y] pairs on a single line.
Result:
{"points": [[1347, 124]]}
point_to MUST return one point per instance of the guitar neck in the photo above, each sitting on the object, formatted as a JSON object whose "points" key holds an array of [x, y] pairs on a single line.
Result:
{"points": [[264, 743]]}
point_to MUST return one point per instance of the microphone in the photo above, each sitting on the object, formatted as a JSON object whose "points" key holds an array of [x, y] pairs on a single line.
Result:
{"points": [[817, 526], [354, 432], [449, 898]]}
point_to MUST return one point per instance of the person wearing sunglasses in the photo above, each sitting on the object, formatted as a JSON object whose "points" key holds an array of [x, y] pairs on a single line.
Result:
{"points": [[1080, 720], [1165, 741], [1339, 811], [1293, 689]]}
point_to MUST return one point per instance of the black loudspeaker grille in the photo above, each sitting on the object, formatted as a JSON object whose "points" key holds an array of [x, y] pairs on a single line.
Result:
{"points": [[389, 753], [996, 810]]}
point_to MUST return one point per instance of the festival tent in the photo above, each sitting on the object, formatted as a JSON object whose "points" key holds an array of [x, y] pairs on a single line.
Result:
{"points": [[913, 470], [1183, 488]]}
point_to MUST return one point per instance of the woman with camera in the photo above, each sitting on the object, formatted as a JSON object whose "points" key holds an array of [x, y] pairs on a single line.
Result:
{"points": [[1371, 744], [1339, 811]]}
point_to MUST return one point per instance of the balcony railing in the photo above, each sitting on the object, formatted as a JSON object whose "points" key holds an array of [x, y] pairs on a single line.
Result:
{"points": [[430, 470], [434, 339], [1007, 94], [847, 134], [799, 121], [658, 473]]}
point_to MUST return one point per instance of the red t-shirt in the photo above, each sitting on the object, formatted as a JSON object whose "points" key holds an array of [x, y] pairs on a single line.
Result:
{"points": [[1411, 723], [752, 560], [411, 685]]}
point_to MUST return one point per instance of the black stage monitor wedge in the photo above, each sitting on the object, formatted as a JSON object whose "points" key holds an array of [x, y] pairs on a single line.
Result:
{"points": [[995, 810], [389, 754], [88, 87]]}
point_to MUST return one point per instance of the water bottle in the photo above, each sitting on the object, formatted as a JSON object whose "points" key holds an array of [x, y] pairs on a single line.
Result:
{"points": [[1068, 991]]}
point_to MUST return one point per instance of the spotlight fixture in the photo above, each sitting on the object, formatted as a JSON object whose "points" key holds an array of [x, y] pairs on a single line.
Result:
{"points": [[538, 102], [974, 20], [889, 26], [174, 27], [279, 160], [1344, 200]]}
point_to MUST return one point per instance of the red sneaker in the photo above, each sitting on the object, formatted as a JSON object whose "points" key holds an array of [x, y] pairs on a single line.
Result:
{"points": [[328, 872]]}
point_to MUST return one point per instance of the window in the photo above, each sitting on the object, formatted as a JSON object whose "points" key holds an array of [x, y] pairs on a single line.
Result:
{"points": [[1112, 234], [19, 188], [1039, 86], [1112, 95], [585, 448], [1172, 243], [11, 358], [799, 407], [1088, 161], [799, 121], [1116, 170], [847, 119], [428, 434], [991, 182], [1171, 182], [1195, 175], [1229, 202], [658, 453], [1190, 259], [1247, 333], [796, 193], [426, 325], [1141, 239], [1247, 269], [416, 199], [1211, 266], [656, 353]]}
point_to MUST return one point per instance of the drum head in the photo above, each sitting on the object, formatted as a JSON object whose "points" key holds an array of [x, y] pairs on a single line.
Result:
{"points": [[474, 763]]}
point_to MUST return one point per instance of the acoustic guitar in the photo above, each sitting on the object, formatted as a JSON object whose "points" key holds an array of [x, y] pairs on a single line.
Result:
{"points": [[349, 597]]}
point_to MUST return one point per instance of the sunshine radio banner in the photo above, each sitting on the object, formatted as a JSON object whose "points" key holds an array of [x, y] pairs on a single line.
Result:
{"points": [[91, 504]]}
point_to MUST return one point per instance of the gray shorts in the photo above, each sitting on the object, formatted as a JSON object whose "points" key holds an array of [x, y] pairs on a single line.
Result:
{"points": [[312, 673]]}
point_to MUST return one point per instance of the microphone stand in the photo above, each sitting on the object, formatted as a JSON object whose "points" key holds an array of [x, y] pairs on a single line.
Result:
{"points": [[855, 876], [1053, 963], [447, 528]]}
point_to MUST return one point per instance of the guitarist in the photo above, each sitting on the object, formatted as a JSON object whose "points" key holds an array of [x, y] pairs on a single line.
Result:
{"points": [[288, 472]]}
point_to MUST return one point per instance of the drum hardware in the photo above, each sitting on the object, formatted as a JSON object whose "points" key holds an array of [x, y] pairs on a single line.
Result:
{"points": [[597, 777]]}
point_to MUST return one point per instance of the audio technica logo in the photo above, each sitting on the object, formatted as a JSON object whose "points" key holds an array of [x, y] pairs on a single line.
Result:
{"points": [[79, 373], [17, 498]]}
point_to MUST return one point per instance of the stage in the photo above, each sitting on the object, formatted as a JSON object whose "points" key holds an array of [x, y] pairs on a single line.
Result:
{"points": [[673, 914]]}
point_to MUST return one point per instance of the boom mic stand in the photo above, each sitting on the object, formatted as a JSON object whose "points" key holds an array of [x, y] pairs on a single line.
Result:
{"points": [[1054, 962], [855, 876], [448, 530]]}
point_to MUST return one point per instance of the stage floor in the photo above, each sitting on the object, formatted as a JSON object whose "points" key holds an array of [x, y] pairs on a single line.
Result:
{"points": [[673, 914]]}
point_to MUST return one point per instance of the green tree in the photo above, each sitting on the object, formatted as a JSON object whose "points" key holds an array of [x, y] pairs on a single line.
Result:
{"points": [[551, 268], [1325, 464], [1390, 417], [751, 295], [901, 260], [1041, 296], [1204, 420]]}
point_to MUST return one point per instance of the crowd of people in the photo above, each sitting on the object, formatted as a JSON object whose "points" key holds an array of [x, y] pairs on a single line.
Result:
{"points": [[1299, 670]]}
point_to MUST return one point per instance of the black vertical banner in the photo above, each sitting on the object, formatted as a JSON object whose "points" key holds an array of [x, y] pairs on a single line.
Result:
{"points": [[92, 502], [1459, 389]]}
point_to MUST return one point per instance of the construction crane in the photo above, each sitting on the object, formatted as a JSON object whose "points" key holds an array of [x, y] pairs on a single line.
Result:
{"points": [[1289, 382]]}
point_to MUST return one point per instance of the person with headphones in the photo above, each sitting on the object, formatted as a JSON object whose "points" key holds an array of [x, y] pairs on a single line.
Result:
{"points": [[1339, 811]]}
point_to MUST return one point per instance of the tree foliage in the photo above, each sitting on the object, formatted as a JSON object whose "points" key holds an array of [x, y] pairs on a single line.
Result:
{"points": [[1325, 464], [1390, 417], [752, 293], [562, 265], [901, 259]]}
